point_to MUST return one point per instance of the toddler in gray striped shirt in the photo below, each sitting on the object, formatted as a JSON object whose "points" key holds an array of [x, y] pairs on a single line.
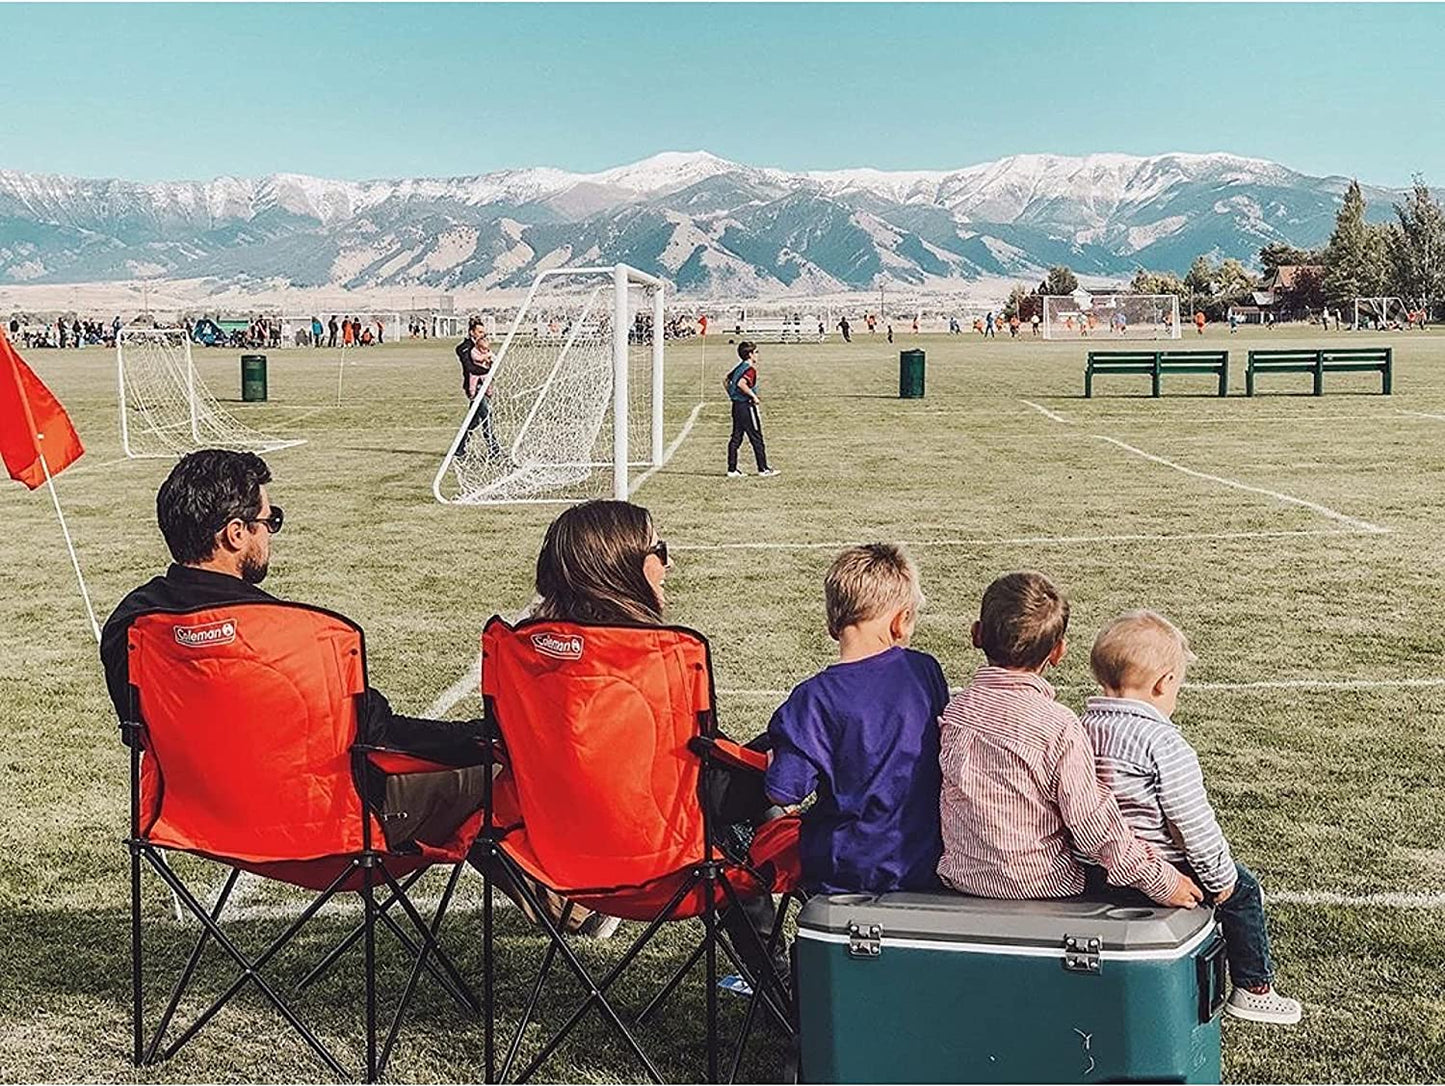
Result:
{"points": [[1140, 754]]}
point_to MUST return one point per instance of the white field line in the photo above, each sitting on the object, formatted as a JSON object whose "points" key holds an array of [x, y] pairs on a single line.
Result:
{"points": [[667, 453], [469, 683], [350, 906], [1420, 414], [1360, 901], [1030, 540], [1259, 684], [1042, 410], [1323, 510]]}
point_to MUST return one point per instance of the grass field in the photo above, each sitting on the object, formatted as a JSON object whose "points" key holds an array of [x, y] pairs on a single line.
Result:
{"points": [[1298, 542]]}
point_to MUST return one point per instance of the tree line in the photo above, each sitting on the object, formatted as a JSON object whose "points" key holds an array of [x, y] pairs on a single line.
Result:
{"points": [[1402, 258]]}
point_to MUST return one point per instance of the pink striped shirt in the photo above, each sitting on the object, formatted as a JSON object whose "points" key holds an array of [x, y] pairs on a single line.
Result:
{"points": [[1020, 793]]}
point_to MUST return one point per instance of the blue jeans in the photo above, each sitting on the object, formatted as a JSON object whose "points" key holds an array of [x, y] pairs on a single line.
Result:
{"points": [[1246, 941]]}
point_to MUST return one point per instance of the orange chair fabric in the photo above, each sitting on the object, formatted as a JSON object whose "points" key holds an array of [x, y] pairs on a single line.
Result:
{"points": [[595, 722], [250, 714]]}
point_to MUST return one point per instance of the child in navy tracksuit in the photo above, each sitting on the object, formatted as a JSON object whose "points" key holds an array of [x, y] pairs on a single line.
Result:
{"points": [[741, 385]]}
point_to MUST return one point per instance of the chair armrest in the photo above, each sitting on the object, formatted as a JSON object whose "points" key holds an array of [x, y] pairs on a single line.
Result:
{"points": [[728, 752]]}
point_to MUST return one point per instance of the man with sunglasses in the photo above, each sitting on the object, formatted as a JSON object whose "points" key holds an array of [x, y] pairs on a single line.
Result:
{"points": [[218, 519]]}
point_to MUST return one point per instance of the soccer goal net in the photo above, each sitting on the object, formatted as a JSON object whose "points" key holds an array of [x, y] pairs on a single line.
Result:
{"points": [[572, 406], [1111, 316], [1379, 314], [166, 409]]}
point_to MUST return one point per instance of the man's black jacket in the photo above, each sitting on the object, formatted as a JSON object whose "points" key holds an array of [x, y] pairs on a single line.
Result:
{"points": [[186, 588]]}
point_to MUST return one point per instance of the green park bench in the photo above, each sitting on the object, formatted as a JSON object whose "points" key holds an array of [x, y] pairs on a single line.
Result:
{"points": [[1156, 364], [1321, 361]]}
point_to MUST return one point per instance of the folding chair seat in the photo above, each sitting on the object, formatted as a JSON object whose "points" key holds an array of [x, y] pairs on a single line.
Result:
{"points": [[245, 751], [610, 736]]}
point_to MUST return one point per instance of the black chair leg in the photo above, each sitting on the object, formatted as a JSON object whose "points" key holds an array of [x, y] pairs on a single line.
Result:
{"points": [[368, 904], [671, 986], [416, 970], [710, 877], [191, 963], [137, 990]]}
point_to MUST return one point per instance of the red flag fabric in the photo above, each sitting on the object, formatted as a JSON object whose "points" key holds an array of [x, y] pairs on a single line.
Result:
{"points": [[32, 421]]}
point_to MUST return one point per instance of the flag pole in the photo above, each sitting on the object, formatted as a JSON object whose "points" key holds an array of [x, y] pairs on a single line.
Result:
{"points": [[65, 531]]}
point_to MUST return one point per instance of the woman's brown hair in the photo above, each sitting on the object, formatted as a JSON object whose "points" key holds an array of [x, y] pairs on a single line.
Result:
{"points": [[590, 566]]}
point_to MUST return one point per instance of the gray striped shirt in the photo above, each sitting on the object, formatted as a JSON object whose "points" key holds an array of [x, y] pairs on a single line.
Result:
{"points": [[1155, 776]]}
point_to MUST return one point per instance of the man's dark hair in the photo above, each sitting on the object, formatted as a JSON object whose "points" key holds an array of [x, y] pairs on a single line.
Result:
{"points": [[746, 349], [474, 322], [204, 492]]}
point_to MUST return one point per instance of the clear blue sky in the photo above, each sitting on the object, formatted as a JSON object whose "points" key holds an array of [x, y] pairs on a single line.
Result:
{"points": [[359, 91]]}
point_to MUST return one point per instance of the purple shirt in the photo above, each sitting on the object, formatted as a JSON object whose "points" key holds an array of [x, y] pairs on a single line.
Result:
{"points": [[863, 736]]}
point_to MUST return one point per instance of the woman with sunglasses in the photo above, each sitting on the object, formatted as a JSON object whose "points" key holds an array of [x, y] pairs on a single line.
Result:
{"points": [[603, 562]]}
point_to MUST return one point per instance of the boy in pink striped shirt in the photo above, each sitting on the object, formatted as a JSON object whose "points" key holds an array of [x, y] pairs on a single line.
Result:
{"points": [[1020, 795]]}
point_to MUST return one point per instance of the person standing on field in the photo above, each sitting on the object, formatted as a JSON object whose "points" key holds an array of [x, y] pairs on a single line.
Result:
{"points": [[741, 385], [845, 328], [475, 355], [1199, 321], [332, 327]]}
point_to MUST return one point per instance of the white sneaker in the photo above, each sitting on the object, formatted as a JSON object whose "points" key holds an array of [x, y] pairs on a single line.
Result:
{"points": [[735, 474], [1269, 1007], [766, 472]]}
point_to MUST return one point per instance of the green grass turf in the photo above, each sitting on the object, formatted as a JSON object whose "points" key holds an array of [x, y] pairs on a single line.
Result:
{"points": [[1338, 790]]}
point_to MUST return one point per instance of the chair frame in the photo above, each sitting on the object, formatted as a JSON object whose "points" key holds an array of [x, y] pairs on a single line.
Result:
{"points": [[371, 863], [708, 871]]}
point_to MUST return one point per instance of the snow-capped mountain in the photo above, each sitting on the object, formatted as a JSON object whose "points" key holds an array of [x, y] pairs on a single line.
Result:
{"points": [[709, 225]]}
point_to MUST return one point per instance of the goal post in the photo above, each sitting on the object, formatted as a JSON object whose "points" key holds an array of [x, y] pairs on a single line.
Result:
{"points": [[572, 406], [1111, 316], [166, 410]]}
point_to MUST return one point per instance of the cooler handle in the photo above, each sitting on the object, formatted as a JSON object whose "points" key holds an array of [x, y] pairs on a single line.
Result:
{"points": [[1210, 970]]}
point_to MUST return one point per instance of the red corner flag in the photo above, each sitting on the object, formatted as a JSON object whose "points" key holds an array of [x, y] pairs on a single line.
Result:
{"points": [[32, 423]]}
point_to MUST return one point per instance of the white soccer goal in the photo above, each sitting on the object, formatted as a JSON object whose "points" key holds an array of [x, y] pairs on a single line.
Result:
{"points": [[1111, 316], [573, 403], [1378, 314], [166, 410]]}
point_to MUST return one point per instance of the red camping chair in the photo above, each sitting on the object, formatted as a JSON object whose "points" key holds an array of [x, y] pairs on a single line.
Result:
{"points": [[247, 716], [609, 733]]}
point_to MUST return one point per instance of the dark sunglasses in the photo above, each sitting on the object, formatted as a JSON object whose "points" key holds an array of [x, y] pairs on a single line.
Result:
{"points": [[660, 549], [273, 522]]}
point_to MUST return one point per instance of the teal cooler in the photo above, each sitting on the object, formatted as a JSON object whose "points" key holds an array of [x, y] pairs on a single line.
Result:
{"points": [[949, 988]]}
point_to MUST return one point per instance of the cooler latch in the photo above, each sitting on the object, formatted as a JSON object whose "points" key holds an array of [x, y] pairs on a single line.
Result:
{"points": [[864, 942], [1081, 953]]}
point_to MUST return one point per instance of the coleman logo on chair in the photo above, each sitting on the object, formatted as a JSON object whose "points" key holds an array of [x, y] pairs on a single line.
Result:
{"points": [[560, 646], [212, 633]]}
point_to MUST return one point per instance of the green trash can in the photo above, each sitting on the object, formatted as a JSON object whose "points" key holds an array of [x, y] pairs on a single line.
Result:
{"points": [[910, 375], [253, 378]]}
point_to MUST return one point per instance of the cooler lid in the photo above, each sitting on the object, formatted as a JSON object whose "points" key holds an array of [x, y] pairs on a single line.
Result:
{"points": [[950, 918]]}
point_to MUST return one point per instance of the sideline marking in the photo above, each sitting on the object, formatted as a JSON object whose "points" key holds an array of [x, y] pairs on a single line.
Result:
{"points": [[1420, 414], [1323, 510], [1042, 410], [1018, 541], [667, 453], [1259, 684], [469, 683], [426, 903], [1362, 901]]}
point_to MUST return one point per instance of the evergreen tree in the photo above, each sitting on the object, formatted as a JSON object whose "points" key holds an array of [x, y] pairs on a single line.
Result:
{"points": [[1060, 280], [1417, 248], [1349, 254]]}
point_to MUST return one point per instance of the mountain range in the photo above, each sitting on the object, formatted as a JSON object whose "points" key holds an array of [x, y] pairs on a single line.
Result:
{"points": [[710, 226]]}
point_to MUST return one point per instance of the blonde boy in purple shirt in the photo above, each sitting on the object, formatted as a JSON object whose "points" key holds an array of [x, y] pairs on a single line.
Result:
{"points": [[862, 736]]}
